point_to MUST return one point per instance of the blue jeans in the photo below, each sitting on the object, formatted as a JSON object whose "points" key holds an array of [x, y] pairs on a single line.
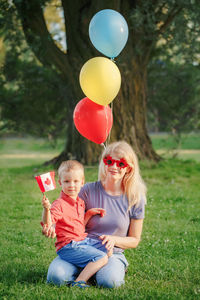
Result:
{"points": [[82, 252], [110, 276]]}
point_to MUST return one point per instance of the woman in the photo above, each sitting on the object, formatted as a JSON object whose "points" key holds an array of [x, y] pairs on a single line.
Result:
{"points": [[122, 193]]}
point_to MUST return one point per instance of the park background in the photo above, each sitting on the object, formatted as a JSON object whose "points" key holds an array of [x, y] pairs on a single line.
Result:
{"points": [[39, 89]]}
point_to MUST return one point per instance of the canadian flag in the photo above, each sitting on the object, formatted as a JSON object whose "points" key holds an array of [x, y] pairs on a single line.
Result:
{"points": [[46, 181]]}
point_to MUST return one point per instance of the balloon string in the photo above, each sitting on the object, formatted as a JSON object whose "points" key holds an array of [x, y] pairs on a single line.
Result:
{"points": [[108, 139], [103, 145], [107, 133]]}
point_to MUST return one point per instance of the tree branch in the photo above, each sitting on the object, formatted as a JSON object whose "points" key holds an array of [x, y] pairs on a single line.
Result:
{"points": [[77, 18], [175, 11], [38, 36]]}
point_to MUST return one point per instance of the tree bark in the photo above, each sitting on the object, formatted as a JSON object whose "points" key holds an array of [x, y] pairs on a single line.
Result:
{"points": [[129, 107], [130, 110]]}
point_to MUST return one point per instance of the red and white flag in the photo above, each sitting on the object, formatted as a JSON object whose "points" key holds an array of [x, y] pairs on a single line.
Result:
{"points": [[46, 181]]}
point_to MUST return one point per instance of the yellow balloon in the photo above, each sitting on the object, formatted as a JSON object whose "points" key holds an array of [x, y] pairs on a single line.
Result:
{"points": [[100, 80]]}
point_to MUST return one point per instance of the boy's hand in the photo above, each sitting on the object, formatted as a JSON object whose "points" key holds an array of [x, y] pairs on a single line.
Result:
{"points": [[96, 211], [45, 202], [92, 212]]}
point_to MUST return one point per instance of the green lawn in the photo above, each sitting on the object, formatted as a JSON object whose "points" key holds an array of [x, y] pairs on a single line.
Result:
{"points": [[164, 266], [169, 141]]}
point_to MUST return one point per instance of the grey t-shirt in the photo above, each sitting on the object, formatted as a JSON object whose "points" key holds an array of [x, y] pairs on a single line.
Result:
{"points": [[117, 218]]}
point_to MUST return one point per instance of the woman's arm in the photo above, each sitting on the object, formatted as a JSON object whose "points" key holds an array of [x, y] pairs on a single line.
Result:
{"points": [[130, 241]]}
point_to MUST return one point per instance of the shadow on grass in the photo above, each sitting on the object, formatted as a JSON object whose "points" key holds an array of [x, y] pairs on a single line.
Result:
{"points": [[10, 274]]}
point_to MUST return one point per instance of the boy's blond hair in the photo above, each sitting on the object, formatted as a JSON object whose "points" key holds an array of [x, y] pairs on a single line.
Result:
{"points": [[69, 165], [132, 184]]}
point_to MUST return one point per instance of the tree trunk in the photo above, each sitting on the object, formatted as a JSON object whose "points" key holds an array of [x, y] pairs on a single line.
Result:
{"points": [[130, 111]]}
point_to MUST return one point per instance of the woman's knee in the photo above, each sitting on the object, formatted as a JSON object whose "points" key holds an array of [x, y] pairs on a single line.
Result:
{"points": [[111, 281], [60, 272], [111, 275]]}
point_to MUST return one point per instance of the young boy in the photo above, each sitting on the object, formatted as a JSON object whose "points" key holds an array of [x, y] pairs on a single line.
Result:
{"points": [[68, 215]]}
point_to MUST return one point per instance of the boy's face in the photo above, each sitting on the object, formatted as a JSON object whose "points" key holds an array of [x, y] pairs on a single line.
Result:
{"points": [[71, 182]]}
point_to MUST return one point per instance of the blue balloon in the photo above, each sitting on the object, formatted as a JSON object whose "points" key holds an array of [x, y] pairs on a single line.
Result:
{"points": [[108, 32]]}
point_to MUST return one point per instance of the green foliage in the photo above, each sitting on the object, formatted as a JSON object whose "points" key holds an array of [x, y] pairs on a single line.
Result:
{"points": [[164, 266], [169, 32], [167, 27], [173, 97], [32, 97], [182, 35], [33, 101]]}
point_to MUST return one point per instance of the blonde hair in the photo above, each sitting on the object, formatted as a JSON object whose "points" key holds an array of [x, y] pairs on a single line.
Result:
{"points": [[133, 185], [69, 165]]}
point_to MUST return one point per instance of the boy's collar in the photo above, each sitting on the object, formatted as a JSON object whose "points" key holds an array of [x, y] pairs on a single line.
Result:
{"points": [[68, 198]]}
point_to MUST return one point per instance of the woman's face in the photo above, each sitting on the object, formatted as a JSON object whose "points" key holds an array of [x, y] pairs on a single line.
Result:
{"points": [[114, 167]]}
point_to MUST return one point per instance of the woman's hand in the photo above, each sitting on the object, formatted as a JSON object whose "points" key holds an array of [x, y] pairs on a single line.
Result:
{"points": [[109, 242], [125, 242], [49, 231]]}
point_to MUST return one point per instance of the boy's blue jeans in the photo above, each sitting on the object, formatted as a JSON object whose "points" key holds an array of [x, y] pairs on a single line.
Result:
{"points": [[110, 276], [82, 252]]}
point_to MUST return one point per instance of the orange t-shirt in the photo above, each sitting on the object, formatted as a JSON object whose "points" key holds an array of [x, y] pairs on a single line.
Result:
{"points": [[68, 215]]}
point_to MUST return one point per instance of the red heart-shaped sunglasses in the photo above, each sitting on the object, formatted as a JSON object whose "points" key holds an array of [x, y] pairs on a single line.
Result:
{"points": [[109, 161]]}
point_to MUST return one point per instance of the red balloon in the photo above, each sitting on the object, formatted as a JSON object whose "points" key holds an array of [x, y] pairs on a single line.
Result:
{"points": [[92, 120]]}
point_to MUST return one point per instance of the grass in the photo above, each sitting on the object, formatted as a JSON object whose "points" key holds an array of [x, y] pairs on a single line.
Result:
{"points": [[164, 266], [169, 141]]}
